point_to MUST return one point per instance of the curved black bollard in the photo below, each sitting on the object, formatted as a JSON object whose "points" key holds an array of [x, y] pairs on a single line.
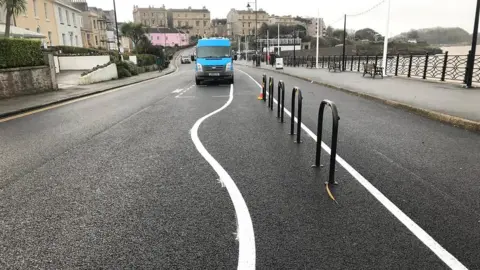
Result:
{"points": [[333, 154], [281, 101], [296, 91], [270, 92], [264, 87]]}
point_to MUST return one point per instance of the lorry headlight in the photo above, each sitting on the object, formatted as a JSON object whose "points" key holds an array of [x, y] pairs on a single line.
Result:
{"points": [[228, 66], [199, 67]]}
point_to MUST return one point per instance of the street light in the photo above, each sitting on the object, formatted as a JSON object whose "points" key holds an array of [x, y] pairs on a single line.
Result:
{"points": [[116, 25], [248, 6]]}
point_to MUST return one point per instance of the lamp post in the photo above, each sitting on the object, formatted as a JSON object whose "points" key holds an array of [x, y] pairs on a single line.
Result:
{"points": [[471, 56], [256, 23]]}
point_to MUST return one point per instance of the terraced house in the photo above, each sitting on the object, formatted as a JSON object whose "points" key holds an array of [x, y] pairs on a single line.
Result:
{"points": [[193, 21], [40, 17], [150, 16], [69, 23]]}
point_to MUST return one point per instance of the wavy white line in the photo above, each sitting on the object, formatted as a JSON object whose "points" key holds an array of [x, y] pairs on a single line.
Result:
{"points": [[245, 235]]}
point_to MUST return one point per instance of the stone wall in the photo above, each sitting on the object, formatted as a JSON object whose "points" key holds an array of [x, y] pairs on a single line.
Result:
{"points": [[25, 81]]}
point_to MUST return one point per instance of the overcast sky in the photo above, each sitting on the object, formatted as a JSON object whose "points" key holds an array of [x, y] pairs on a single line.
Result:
{"points": [[405, 14]]}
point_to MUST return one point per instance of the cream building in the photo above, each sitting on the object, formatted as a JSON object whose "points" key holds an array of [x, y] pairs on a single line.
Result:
{"points": [[150, 16], [40, 17], [242, 22], [193, 21]]}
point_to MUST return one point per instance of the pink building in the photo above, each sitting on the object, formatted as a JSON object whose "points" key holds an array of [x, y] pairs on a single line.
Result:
{"points": [[168, 37]]}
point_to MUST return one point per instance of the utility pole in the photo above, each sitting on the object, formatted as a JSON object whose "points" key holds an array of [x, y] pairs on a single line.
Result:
{"points": [[266, 49], [344, 40], [318, 27], [471, 56], [294, 42], [278, 39], [116, 25], [385, 40]]}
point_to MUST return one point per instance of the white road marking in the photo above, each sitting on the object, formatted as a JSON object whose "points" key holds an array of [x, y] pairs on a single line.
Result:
{"points": [[177, 91], [246, 238], [185, 97], [220, 96], [422, 235]]}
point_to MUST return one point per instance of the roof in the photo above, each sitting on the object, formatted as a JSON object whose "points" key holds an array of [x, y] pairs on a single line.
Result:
{"points": [[188, 10], [20, 32], [163, 30], [213, 42], [251, 11]]}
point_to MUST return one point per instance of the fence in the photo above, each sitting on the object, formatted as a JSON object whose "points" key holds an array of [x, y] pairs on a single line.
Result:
{"points": [[441, 66]]}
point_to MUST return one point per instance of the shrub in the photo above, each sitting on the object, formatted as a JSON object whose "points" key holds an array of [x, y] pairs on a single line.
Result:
{"points": [[123, 72], [16, 52], [95, 68], [131, 67]]}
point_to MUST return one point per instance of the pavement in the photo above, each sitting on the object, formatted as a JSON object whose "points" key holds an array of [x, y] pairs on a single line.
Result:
{"points": [[70, 90], [117, 180], [446, 99]]}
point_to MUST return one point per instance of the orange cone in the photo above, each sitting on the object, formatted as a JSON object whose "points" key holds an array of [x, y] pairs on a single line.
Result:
{"points": [[260, 97]]}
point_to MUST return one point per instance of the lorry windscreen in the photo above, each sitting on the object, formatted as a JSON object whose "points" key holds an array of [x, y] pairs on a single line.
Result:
{"points": [[213, 52]]}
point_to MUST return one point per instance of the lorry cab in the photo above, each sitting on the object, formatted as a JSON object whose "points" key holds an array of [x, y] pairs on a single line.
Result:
{"points": [[214, 60]]}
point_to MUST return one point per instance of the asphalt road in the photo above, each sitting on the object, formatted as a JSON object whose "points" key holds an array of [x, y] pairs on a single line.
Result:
{"points": [[115, 181]]}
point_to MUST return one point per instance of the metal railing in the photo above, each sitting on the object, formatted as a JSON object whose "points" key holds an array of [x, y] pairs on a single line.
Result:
{"points": [[281, 101], [440, 66], [333, 153], [296, 91]]}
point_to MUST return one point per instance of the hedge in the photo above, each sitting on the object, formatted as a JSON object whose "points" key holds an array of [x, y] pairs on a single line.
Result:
{"points": [[71, 50], [146, 60], [16, 52]]}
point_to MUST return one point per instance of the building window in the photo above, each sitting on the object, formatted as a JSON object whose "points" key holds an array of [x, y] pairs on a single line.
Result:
{"points": [[249, 17], [35, 8], [68, 18], [50, 37], [204, 15], [64, 39], [94, 24], [186, 23], [71, 39], [74, 20], [178, 15], [76, 41], [60, 15], [96, 40], [197, 23], [38, 29], [243, 24], [153, 21], [179, 23], [204, 23], [46, 10], [249, 25]]}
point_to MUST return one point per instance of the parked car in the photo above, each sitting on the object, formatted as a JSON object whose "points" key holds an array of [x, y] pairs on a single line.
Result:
{"points": [[185, 59]]}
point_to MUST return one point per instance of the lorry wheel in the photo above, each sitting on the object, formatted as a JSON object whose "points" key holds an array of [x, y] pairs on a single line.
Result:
{"points": [[232, 81], [197, 82]]}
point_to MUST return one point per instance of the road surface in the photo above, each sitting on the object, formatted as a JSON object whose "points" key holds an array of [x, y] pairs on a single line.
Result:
{"points": [[166, 174]]}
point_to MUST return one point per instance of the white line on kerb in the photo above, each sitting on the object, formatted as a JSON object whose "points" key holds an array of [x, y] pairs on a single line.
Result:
{"points": [[245, 235], [422, 235]]}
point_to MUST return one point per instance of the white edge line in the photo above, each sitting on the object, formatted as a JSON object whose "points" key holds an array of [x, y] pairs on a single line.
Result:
{"points": [[246, 238], [421, 234]]}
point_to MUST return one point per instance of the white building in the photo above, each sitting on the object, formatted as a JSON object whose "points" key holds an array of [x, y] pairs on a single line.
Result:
{"points": [[69, 22]]}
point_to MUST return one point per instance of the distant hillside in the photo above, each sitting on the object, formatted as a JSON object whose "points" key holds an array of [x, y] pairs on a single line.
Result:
{"points": [[438, 35]]}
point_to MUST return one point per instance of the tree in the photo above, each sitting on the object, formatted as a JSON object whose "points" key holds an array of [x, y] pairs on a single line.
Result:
{"points": [[329, 31], [143, 44], [135, 31], [12, 7], [338, 33], [365, 33], [412, 34]]}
